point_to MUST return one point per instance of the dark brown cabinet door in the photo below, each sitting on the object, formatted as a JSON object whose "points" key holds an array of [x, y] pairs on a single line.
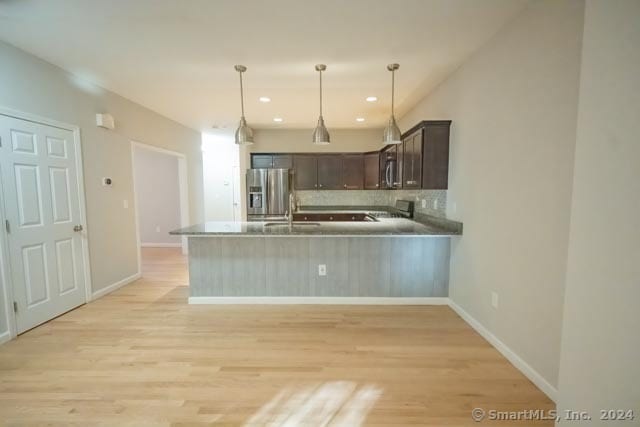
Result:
{"points": [[353, 172], [397, 183], [261, 161], [305, 172], [412, 164], [435, 157], [372, 171], [282, 161], [330, 172]]}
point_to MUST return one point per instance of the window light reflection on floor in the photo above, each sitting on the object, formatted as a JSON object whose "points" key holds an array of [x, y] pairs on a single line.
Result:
{"points": [[336, 403]]}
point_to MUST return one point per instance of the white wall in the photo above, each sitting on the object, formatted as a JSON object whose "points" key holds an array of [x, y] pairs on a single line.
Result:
{"points": [[600, 364], [221, 170], [513, 105], [157, 196], [35, 86]]}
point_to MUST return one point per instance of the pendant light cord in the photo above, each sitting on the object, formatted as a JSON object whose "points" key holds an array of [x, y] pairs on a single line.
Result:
{"points": [[241, 94], [393, 89], [320, 93]]}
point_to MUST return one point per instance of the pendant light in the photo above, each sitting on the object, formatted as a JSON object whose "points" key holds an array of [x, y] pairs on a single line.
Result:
{"points": [[244, 134], [392, 134], [320, 133]]}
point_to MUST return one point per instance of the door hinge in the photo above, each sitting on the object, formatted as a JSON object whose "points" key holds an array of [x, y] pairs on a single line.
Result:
{"points": [[7, 226], [15, 307]]}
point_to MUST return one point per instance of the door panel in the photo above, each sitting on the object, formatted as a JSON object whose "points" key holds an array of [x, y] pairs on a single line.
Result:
{"points": [[330, 172], [36, 277], [260, 161], [60, 197], [353, 171], [57, 147], [305, 172], [29, 195], [413, 160], [24, 142], [42, 205], [282, 161], [372, 171]]}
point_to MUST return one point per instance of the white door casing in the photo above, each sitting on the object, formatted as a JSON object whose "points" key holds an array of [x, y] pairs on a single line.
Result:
{"points": [[40, 179]]}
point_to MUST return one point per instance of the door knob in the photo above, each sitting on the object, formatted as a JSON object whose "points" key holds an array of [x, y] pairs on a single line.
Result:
{"points": [[77, 228]]}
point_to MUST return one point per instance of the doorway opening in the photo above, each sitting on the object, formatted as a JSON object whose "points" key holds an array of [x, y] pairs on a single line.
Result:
{"points": [[161, 199]]}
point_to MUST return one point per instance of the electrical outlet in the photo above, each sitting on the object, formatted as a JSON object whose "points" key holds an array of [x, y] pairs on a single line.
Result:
{"points": [[435, 204], [424, 203], [322, 269], [125, 204], [494, 300], [157, 228]]}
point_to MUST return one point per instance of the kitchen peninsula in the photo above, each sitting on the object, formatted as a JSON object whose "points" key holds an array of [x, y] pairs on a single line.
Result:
{"points": [[367, 259]]}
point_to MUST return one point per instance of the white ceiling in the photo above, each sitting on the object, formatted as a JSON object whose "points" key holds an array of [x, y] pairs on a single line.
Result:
{"points": [[176, 57]]}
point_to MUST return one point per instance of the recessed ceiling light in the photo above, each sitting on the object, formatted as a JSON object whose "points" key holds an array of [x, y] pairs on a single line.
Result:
{"points": [[360, 119], [372, 98], [264, 99], [277, 119]]}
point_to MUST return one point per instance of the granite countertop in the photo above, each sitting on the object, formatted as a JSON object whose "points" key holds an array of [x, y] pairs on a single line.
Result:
{"points": [[422, 225]]}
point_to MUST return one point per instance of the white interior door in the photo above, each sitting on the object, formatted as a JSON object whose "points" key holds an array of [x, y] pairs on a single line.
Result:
{"points": [[42, 205]]}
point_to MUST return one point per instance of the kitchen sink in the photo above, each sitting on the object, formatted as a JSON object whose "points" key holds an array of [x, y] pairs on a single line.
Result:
{"points": [[286, 224], [333, 216]]}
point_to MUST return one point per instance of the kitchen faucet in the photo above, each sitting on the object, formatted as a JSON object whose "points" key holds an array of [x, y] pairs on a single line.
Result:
{"points": [[291, 209]]}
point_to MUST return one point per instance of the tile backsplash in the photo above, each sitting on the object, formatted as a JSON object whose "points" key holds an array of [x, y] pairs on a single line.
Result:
{"points": [[436, 200]]}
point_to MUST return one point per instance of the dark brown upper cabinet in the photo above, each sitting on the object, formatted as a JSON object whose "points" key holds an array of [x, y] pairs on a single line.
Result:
{"points": [[283, 161], [412, 164], [305, 171], [261, 161], [421, 161], [372, 171], [330, 172], [435, 155], [353, 171]]}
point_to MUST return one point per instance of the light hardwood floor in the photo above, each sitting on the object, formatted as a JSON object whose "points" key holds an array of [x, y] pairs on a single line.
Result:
{"points": [[142, 356]]}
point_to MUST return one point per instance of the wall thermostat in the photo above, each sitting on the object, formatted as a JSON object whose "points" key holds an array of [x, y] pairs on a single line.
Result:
{"points": [[107, 182]]}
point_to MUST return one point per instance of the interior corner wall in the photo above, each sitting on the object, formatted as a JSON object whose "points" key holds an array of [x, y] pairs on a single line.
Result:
{"points": [[600, 341], [32, 85], [513, 107]]}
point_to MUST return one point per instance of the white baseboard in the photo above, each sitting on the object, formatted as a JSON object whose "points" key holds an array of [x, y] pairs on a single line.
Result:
{"points": [[321, 300], [104, 291], [5, 336], [509, 354], [160, 245]]}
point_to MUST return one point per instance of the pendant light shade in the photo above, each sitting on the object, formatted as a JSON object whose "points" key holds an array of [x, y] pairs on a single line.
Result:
{"points": [[244, 134], [392, 134], [320, 133]]}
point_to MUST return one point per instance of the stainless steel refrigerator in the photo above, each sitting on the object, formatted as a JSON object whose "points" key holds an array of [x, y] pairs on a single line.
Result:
{"points": [[267, 194]]}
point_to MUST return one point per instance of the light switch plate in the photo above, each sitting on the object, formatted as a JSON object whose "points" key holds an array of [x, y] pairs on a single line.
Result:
{"points": [[322, 269], [494, 300]]}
